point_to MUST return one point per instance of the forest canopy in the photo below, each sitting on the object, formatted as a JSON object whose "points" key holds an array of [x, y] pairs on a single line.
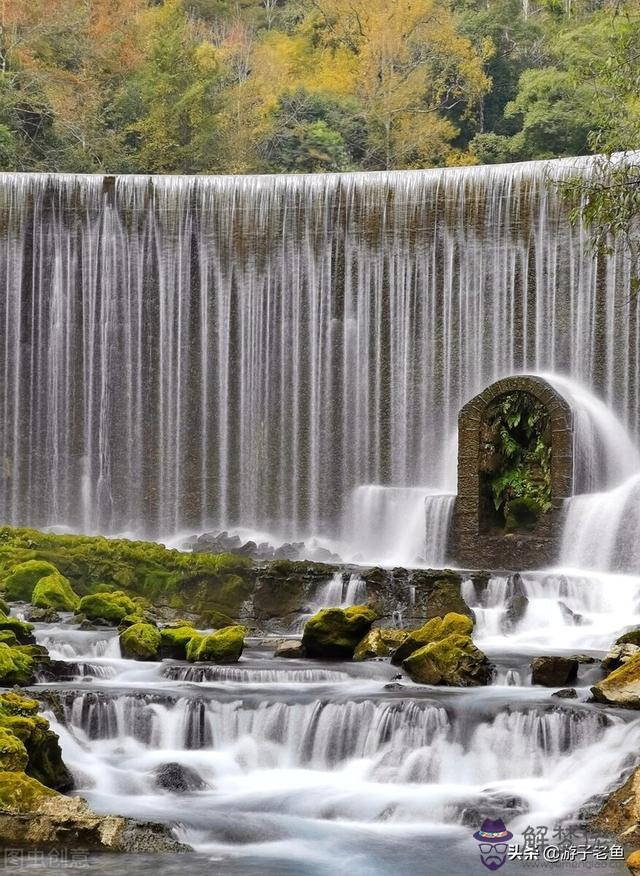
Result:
{"points": [[234, 86]]}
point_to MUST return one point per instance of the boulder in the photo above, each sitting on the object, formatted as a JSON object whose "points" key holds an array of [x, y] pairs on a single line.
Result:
{"points": [[55, 592], [289, 648], [619, 654], [554, 671], [621, 687], [21, 630], [16, 666], [42, 616], [23, 728], [174, 641], [140, 642], [567, 693], [619, 815], [34, 817], [631, 637], [4, 606], [334, 633], [379, 643], [109, 607], [453, 660], [435, 629], [633, 863], [19, 583], [223, 646], [444, 598], [178, 778]]}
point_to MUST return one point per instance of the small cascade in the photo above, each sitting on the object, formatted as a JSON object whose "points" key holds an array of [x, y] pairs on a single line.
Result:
{"points": [[554, 610], [604, 452], [222, 674], [335, 593], [65, 644], [398, 526], [602, 530]]}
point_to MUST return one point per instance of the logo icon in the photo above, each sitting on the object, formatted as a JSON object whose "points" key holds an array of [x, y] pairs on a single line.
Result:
{"points": [[493, 839]]}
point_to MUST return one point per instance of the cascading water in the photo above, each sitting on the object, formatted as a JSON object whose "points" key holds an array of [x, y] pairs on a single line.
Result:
{"points": [[317, 333]]}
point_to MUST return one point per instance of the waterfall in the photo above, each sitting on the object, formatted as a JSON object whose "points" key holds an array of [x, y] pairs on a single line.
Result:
{"points": [[201, 351]]}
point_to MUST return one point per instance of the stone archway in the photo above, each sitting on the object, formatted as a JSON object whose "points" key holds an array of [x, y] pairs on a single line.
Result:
{"points": [[507, 517]]}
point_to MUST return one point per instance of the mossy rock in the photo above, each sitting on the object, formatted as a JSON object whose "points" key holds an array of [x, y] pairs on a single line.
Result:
{"points": [[21, 630], [4, 606], [632, 637], [334, 633], [215, 620], [110, 607], [20, 582], [435, 629], [9, 638], [19, 717], [130, 619], [16, 667], [379, 643], [621, 687], [453, 660], [223, 646], [55, 591], [13, 754], [21, 793], [140, 642], [174, 641], [444, 598]]}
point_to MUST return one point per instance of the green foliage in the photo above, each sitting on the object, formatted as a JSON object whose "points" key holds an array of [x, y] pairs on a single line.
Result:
{"points": [[516, 459]]}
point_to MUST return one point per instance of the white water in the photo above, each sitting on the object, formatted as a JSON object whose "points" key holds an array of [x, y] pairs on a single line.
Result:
{"points": [[317, 333]]}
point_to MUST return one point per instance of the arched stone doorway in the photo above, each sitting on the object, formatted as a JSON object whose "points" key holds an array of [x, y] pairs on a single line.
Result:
{"points": [[515, 467]]}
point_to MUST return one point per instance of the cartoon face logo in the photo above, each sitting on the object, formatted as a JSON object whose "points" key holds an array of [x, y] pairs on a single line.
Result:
{"points": [[493, 840]]}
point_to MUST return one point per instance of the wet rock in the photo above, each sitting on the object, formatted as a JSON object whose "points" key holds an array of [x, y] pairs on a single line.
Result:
{"points": [[140, 642], [620, 814], [55, 592], [445, 598], [178, 778], [42, 616], [223, 646], [567, 693], [334, 633], [633, 863], [106, 607], [434, 629], [554, 671], [583, 659], [453, 661], [622, 687], [504, 806], [618, 655], [37, 818], [19, 584], [289, 648], [570, 616], [631, 637], [22, 631], [394, 685], [379, 643]]}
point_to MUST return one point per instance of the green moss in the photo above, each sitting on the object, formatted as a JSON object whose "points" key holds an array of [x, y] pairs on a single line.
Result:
{"points": [[19, 583], [379, 643], [435, 629], [223, 646], [111, 607], [140, 642], [54, 591], [21, 630], [8, 637], [13, 754], [452, 660], [4, 606], [334, 633], [16, 667], [174, 641], [21, 793], [632, 637], [19, 718], [130, 619]]}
